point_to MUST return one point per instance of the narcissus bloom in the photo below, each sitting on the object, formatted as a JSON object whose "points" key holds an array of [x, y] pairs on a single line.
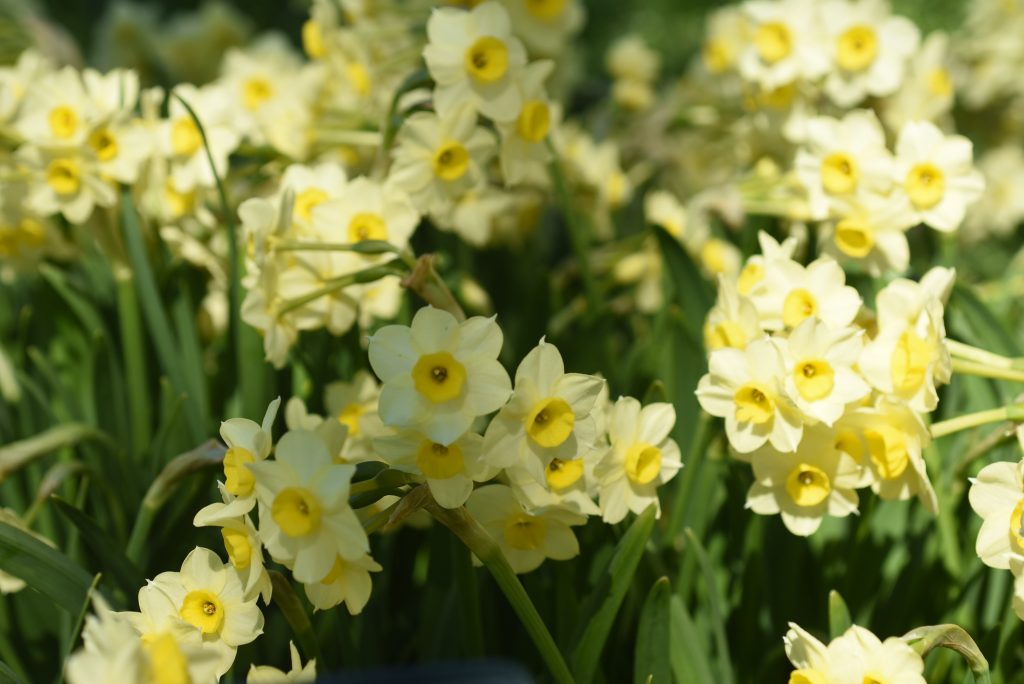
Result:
{"points": [[209, 595], [855, 656], [450, 470], [935, 175], [733, 321], [804, 486], [786, 43], [524, 149], [640, 459], [439, 374], [241, 541], [746, 387], [547, 416], [348, 582], [997, 495], [305, 518], [475, 60], [247, 442], [526, 539], [298, 674]]}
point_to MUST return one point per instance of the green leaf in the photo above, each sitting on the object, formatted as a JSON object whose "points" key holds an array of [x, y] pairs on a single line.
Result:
{"points": [[110, 555], [82, 307], [688, 656], [654, 637], [838, 615], [926, 639], [986, 329], [8, 676], [76, 628], [44, 569], [714, 609], [685, 285], [17, 454], [609, 594]]}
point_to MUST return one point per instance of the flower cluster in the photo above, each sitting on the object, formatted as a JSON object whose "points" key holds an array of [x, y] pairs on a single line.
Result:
{"points": [[822, 396]]}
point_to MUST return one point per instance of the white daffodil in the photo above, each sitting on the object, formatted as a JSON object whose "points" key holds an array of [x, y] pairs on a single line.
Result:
{"points": [[732, 321], [1001, 208], [525, 539], [181, 142], [726, 35], [870, 49], [816, 480], [450, 470], [354, 405], [895, 437], [842, 159], [546, 26], [746, 388], [820, 362], [310, 186], [241, 541], [908, 357], [475, 61], [524, 155], [247, 442], [566, 484], [791, 293], [210, 596], [662, 208], [641, 458], [786, 43], [870, 231], [57, 113], [927, 91], [298, 674], [67, 181], [438, 374], [862, 657], [367, 210], [348, 582], [997, 495], [547, 417], [437, 158], [305, 518], [772, 253], [935, 175]]}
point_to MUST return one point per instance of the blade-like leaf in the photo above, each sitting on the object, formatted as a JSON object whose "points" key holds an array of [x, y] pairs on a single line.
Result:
{"points": [[714, 608], [654, 637], [17, 454], [688, 288], [609, 594], [44, 569], [113, 560], [285, 598], [688, 656], [9, 676], [838, 614]]}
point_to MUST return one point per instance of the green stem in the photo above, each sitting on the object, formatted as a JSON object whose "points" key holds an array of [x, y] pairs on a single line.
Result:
{"points": [[363, 247], [969, 353], [984, 370], [77, 626], [1013, 412], [132, 346], [335, 284], [285, 598], [483, 546]]}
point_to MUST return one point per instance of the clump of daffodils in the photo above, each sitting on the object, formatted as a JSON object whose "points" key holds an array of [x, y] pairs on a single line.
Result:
{"points": [[820, 394]]}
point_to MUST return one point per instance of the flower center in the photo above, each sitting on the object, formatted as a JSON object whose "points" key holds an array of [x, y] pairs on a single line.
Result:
{"points": [[296, 511], [439, 377], [238, 546], [643, 462], [854, 238], [808, 485], [525, 532], [451, 161], [545, 10], [549, 423], [753, 404], [773, 41], [814, 379], [204, 610], [239, 480], [807, 676], [349, 417], [925, 185], [63, 121], [307, 200], [104, 143], [799, 304], [167, 664], [848, 442], [910, 361], [888, 451], [255, 91], [439, 462], [751, 275], [64, 176], [487, 59], [367, 226], [858, 47], [939, 82], [563, 474], [534, 121], [185, 138], [725, 334], [839, 174], [1016, 533]]}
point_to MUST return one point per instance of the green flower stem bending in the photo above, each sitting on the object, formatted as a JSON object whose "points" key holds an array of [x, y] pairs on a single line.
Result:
{"points": [[483, 546], [969, 353], [1013, 412], [425, 281], [367, 275]]}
